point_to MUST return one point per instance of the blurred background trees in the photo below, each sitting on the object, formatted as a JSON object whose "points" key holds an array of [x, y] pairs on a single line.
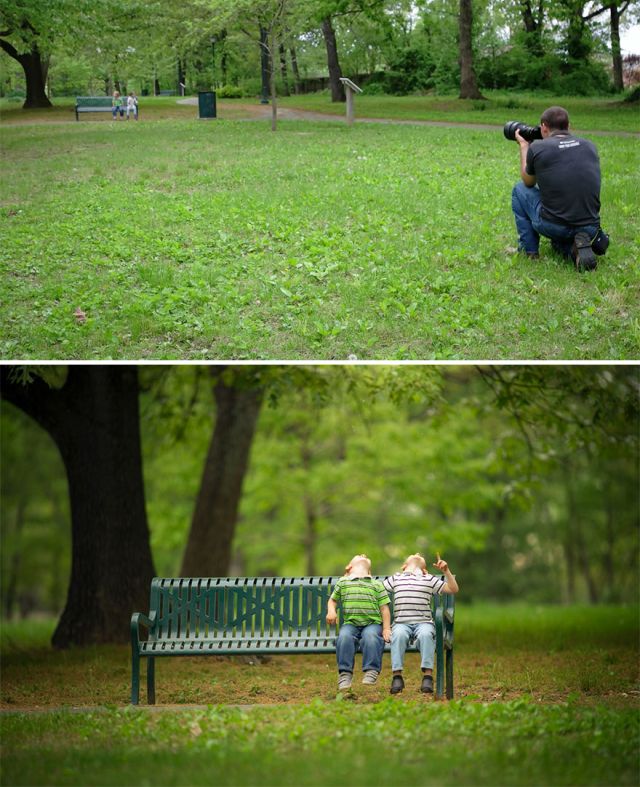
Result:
{"points": [[73, 47], [524, 477]]}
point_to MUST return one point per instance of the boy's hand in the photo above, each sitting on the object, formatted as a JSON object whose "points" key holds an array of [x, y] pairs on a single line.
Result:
{"points": [[386, 635], [440, 564], [331, 617]]}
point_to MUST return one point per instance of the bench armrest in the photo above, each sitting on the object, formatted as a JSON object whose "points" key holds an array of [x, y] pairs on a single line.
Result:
{"points": [[149, 621]]}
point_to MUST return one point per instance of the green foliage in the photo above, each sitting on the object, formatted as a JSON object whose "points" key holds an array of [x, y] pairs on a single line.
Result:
{"points": [[229, 91], [410, 70]]}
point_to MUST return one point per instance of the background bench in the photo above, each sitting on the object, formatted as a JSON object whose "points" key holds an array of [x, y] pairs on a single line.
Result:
{"points": [[254, 615], [97, 104]]}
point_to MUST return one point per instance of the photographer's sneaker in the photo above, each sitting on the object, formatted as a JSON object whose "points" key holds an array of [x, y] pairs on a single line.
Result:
{"points": [[344, 681], [582, 253], [370, 677]]}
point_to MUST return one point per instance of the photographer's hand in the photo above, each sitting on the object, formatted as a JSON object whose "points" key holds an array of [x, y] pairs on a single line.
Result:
{"points": [[528, 180]]}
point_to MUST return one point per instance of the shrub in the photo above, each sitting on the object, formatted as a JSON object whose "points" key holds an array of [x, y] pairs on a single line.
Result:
{"points": [[410, 69], [229, 91]]}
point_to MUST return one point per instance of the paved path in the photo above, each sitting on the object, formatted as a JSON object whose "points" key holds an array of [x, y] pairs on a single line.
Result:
{"points": [[263, 112]]}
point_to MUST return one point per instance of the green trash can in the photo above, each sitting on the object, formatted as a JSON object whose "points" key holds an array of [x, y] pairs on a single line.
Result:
{"points": [[206, 105]]}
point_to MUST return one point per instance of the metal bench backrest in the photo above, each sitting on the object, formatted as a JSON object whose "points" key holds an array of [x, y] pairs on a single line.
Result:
{"points": [[225, 607], [93, 101]]}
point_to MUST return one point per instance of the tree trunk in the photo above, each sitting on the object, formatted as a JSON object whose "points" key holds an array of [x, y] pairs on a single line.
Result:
{"points": [[264, 66], [295, 70], [16, 559], [283, 70], [533, 28], [580, 543], [208, 551], [272, 83], [94, 420], [616, 53], [468, 81], [34, 74], [335, 72]]}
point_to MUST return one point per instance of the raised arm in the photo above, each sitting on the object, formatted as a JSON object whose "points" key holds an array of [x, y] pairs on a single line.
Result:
{"points": [[450, 584]]}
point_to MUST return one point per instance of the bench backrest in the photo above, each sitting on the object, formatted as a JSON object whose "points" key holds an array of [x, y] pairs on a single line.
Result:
{"points": [[93, 101], [212, 608]]}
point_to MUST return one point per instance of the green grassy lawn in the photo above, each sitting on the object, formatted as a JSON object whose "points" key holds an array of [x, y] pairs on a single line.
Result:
{"points": [[543, 696], [604, 114], [181, 239]]}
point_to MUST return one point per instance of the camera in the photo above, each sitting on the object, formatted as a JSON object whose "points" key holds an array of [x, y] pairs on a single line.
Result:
{"points": [[526, 132]]}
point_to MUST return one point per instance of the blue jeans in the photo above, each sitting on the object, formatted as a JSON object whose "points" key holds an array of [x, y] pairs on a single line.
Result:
{"points": [[526, 204], [424, 633], [371, 643]]}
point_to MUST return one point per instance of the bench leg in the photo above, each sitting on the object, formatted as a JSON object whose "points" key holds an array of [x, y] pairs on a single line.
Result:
{"points": [[449, 674], [151, 680], [439, 656], [135, 677]]}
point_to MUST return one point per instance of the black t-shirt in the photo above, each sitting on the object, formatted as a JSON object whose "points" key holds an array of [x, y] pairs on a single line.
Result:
{"points": [[567, 171]]}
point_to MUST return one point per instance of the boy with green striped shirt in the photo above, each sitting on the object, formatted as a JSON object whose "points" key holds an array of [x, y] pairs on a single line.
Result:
{"points": [[366, 621]]}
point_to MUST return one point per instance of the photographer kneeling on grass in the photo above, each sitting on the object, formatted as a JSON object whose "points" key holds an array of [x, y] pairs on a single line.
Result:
{"points": [[559, 196]]}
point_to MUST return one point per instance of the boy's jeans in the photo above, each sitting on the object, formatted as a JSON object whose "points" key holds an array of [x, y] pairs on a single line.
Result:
{"points": [[526, 204], [424, 633], [371, 643]]}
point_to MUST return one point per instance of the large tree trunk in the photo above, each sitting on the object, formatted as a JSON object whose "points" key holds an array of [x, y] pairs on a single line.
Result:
{"points": [[335, 72], [208, 551], [94, 420], [295, 70], [35, 73], [264, 65], [616, 52], [533, 27], [468, 81], [283, 70]]}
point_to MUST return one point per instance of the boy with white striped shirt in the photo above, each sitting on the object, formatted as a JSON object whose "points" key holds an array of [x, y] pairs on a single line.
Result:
{"points": [[412, 588]]}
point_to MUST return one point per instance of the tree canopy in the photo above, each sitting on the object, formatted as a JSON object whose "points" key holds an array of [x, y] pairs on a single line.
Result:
{"points": [[525, 477]]}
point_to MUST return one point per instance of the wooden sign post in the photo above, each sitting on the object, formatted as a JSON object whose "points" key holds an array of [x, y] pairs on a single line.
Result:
{"points": [[350, 89]]}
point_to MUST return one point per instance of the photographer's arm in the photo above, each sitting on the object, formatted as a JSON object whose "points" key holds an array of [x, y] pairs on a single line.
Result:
{"points": [[528, 180]]}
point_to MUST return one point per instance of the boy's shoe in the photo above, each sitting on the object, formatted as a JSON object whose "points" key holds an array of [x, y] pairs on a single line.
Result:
{"points": [[344, 681], [582, 253], [370, 677], [427, 684], [397, 684]]}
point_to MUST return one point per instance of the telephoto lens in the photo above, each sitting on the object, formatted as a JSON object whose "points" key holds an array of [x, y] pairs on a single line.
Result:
{"points": [[526, 132]]}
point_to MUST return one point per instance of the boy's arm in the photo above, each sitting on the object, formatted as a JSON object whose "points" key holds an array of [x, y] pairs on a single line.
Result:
{"points": [[386, 622], [332, 614], [450, 584]]}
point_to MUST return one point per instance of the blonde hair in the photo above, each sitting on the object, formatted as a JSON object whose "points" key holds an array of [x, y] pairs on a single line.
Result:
{"points": [[417, 559], [356, 559]]}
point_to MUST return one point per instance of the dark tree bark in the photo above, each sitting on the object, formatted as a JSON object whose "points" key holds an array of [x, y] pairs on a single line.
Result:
{"points": [[10, 594], [468, 81], [35, 73], [616, 52], [335, 72], [283, 70], [94, 421], [533, 26], [295, 70], [208, 551], [264, 65]]}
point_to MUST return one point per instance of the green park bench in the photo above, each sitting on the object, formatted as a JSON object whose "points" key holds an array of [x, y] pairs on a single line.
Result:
{"points": [[97, 104], [253, 615]]}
